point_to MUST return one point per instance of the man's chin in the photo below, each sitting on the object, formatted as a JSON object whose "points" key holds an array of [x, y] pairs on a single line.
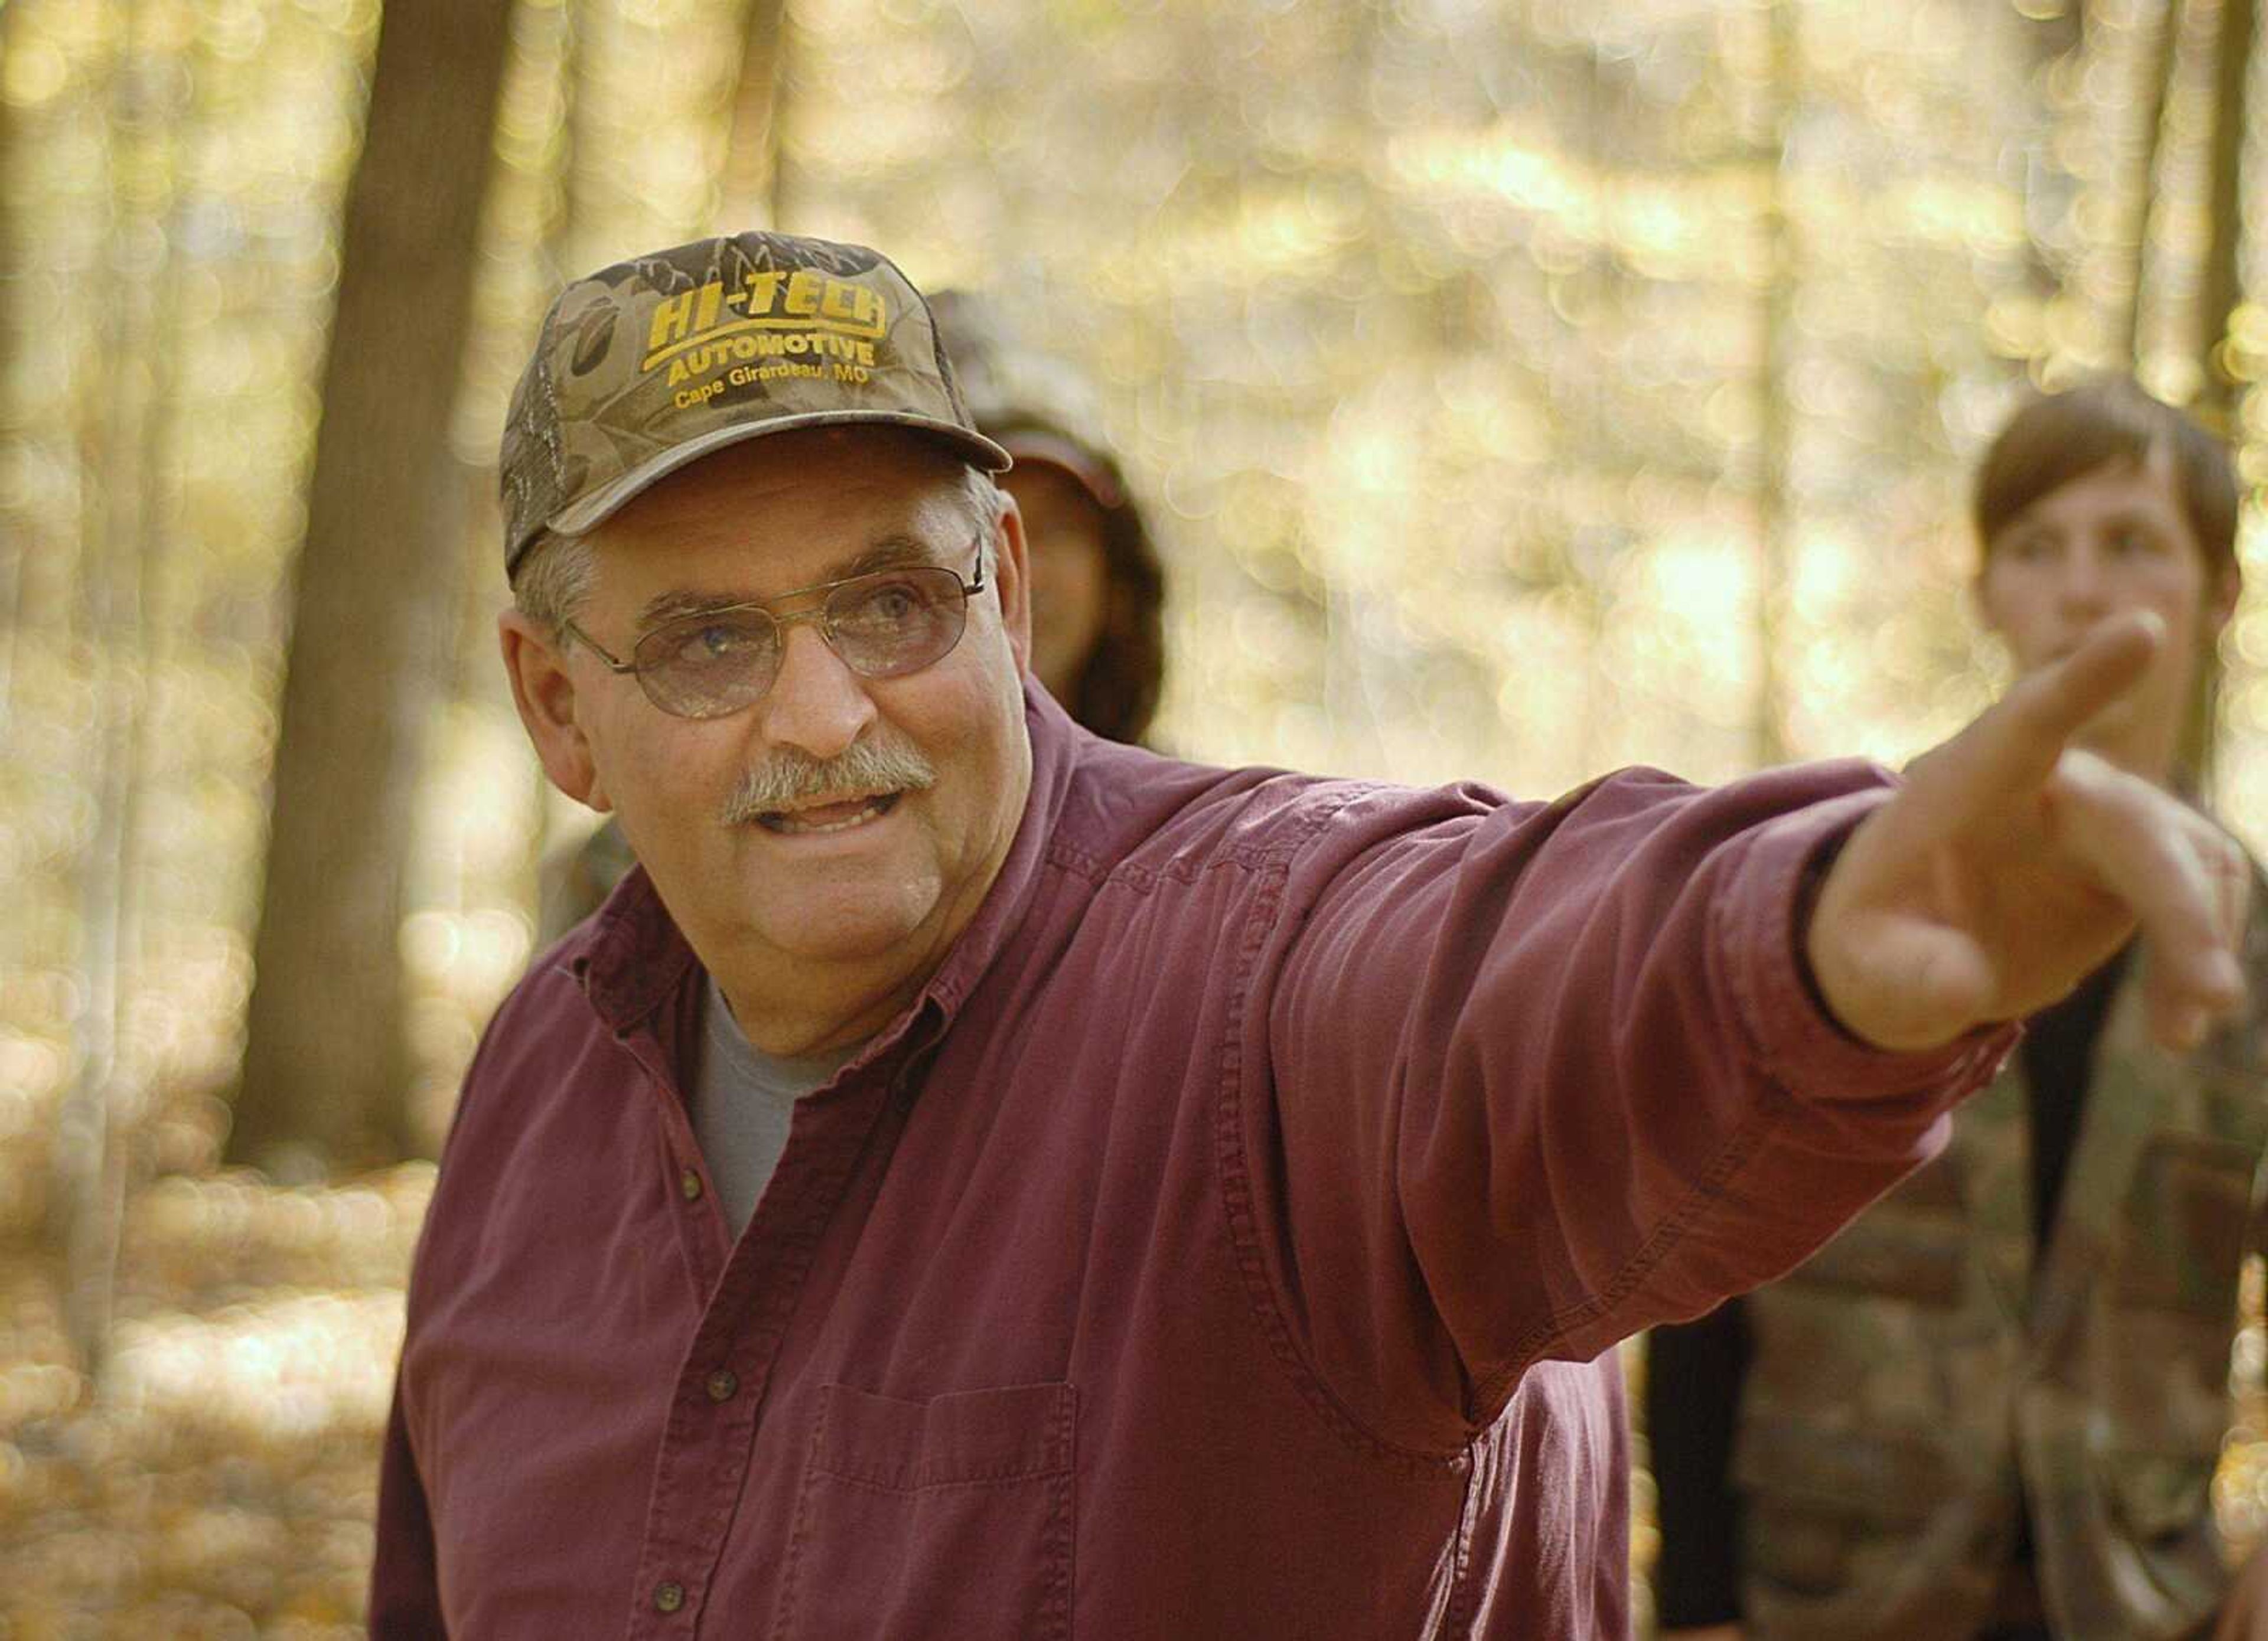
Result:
{"points": [[852, 922]]}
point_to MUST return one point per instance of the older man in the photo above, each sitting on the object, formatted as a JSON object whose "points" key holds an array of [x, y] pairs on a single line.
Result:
{"points": [[1097, 588], [979, 1180]]}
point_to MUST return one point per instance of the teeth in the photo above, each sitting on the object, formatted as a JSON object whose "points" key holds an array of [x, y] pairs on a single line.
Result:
{"points": [[860, 819], [791, 824]]}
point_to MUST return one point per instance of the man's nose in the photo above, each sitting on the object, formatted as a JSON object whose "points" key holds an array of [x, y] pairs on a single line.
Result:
{"points": [[816, 704]]}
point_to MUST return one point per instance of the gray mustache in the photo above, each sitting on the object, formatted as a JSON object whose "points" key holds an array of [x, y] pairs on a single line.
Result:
{"points": [[790, 779]]}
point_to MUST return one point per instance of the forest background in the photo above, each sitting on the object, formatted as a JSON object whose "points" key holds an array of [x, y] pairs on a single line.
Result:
{"points": [[1522, 388]]}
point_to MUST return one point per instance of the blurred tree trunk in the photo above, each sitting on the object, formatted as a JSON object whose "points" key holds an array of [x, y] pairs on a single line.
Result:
{"points": [[577, 242], [1776, 340], [2220, 291], [753, 193], [2059, 33], [2164, 58], [122, 446], [2221, 287], [2056, 51], [11, 551], [325, 1074]]}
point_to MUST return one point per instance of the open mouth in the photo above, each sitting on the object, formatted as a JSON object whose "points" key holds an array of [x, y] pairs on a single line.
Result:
{"points": [[818, 819]]}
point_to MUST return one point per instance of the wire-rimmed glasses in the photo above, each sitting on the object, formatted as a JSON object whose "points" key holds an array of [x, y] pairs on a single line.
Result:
{"points": [[883, 624]]}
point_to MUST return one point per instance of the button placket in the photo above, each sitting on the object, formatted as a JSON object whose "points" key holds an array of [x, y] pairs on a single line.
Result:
{"points": [[705, 1455]]}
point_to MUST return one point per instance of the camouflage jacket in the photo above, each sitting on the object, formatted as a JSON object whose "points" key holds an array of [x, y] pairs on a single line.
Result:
{"points": [[1918, 1365]]}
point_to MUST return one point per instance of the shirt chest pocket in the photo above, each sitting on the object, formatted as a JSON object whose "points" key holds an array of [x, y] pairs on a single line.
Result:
{"points": [[950, 1517]]}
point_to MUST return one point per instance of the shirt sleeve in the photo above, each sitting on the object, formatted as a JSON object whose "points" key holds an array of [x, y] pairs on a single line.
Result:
{"points": [[405, 1591], [1539, 1077], [1693, 1375]]}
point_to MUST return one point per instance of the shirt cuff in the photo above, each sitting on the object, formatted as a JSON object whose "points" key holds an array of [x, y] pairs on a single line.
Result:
{"points": [[1791, 1037]]}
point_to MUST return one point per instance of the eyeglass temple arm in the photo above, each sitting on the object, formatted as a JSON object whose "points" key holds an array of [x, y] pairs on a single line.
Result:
{"points": [[605, 657]]}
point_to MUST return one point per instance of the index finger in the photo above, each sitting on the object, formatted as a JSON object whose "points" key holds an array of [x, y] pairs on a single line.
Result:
{"points": [[2010, 749]]}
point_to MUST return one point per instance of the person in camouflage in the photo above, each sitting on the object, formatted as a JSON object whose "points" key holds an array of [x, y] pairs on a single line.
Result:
{"points": [[1993, 1406], [1098, 587]]}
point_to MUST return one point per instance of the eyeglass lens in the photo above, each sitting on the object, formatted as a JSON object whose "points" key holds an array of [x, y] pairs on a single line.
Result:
{"points": [[884, 625]]}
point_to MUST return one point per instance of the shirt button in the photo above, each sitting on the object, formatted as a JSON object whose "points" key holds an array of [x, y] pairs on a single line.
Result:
{"points": [[723, 1385], [688, 1185], [668, 1597]]}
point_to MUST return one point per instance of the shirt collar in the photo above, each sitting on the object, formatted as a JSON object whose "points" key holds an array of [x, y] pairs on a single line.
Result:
{"points": [[631, 958]]}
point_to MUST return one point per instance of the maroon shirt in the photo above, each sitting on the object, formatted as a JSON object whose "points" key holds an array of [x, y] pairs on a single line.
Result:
{"points": [[1225, 1244]]}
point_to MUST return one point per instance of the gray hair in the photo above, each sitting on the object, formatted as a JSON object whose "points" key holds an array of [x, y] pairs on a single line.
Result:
{"points": [[985, 502], [555, 579], [557, 570]]}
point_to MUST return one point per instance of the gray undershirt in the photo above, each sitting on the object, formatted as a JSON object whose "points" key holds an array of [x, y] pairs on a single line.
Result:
{"points": [[743, 1100]]}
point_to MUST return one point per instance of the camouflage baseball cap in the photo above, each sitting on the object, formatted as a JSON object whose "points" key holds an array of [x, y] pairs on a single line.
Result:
{"points": [[654, 363]]}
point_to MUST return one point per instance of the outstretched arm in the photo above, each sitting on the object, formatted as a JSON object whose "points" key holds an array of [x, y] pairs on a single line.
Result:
{"points": [[1538, 1078]]}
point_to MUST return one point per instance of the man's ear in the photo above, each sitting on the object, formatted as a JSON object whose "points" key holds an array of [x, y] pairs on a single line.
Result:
{"points": [[544, 691], [1009, 567]]}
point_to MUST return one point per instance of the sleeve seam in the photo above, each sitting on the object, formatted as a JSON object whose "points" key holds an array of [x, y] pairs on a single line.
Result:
{"points": [[1731, 1158]]}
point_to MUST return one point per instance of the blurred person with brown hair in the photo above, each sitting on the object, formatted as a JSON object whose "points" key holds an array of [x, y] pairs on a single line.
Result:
{"points": [[979, 1180], [1098, 587], [1993, 1407]]}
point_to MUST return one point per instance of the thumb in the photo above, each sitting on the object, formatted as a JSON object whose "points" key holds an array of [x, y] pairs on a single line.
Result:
{"points": [[1897, 980]]}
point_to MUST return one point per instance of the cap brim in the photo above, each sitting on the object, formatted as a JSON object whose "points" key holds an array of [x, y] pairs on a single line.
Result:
{"points": [[602, 503]]}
